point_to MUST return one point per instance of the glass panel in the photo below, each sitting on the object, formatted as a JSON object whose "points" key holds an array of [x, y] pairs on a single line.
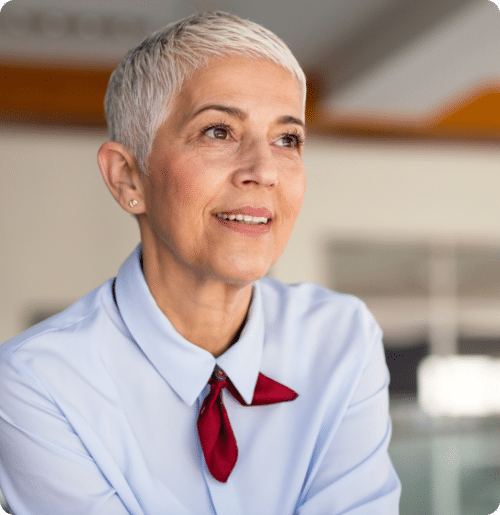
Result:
{"points": [[485, 346], [480, 489], [446, 466], [365, 269], [402, 362], [478, 272]]}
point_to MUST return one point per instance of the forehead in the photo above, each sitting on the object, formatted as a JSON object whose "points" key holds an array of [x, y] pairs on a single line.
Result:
{"points": [[247, 81]]}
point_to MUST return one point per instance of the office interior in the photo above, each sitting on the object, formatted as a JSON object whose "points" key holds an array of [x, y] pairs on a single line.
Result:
{"points": [[402, 204]]}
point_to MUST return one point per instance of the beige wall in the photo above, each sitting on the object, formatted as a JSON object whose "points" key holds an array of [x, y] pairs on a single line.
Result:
{"points": [[62, 233]]}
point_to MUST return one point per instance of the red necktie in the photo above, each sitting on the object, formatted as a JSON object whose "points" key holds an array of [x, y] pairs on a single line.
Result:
{"points": [[216, 436]]}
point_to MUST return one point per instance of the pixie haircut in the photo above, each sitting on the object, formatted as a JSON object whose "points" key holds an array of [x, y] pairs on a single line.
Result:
{"points": [[141, 88]]}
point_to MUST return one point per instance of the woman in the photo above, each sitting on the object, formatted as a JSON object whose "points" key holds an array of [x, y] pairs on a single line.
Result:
{"points": [[188, 384]]}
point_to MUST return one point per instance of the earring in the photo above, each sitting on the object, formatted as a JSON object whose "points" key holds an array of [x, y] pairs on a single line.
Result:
{"points": [[133, 203]]}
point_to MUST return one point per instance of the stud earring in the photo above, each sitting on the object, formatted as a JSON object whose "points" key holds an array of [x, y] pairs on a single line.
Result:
{"points": [[133, 203]]}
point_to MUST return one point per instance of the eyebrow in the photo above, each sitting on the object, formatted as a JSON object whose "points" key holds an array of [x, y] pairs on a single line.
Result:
{"points": [[284, 120], [238, 113], [231, 111]]}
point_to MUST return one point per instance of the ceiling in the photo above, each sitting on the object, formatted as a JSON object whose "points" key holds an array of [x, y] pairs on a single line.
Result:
{"points": [[399, 58]]}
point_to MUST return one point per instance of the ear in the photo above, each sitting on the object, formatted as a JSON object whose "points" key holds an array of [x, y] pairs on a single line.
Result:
{"points": [[122, 176]]}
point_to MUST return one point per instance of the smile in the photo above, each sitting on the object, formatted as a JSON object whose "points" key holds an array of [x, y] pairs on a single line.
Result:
{"points": [[244, 219]]}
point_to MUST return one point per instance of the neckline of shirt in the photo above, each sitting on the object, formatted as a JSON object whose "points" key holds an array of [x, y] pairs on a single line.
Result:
{"points": [[183, 365]]}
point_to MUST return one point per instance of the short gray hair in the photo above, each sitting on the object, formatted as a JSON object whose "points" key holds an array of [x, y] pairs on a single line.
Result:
{"points": [[142, 86]]}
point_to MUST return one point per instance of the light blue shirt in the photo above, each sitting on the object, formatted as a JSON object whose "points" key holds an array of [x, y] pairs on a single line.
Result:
{"points": [[98, 409]]}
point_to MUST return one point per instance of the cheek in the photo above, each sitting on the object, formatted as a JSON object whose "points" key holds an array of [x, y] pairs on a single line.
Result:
{"points": [[301, 190], [294, 196], [186, 193], [184, 184], [191, 191]]}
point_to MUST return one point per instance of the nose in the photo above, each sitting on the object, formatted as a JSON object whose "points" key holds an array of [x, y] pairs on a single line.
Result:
{"points": [[256, 165]]}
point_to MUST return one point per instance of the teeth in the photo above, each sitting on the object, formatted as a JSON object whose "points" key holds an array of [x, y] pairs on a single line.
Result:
{"points": [[246, 219]]}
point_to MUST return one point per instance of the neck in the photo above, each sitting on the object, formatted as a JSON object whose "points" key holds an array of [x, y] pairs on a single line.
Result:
{"points": [[207, 312]]}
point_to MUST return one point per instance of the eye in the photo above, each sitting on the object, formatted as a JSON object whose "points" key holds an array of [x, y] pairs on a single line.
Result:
{"points": [[290, 140], [217, 132]]}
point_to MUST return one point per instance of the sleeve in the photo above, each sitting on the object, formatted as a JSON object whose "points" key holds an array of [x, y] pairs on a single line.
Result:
{"points": [[44, 467], [353, 474]]}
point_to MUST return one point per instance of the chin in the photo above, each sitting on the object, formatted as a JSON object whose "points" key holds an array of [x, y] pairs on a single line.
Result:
{"points": [[241, 275]]}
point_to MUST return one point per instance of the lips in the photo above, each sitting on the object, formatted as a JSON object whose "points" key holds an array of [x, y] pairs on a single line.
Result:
{"points": [[251, 221]]}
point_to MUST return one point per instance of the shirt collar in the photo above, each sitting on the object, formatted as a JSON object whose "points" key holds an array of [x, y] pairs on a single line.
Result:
{"points": [[185, 366]]}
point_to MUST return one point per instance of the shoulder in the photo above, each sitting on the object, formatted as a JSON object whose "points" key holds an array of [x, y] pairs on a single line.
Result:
{"points": [[58, 334], [317, 330], [310, 303]]}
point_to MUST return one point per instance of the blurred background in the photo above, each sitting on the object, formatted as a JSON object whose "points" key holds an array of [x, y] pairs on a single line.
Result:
{"points": [[402, 206]]}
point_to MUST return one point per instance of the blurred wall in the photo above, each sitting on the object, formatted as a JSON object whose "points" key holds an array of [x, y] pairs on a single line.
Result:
{"points": [[62, 232]]}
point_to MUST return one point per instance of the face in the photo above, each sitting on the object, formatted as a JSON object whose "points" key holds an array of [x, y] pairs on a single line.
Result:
{"points": [[226, 178]]}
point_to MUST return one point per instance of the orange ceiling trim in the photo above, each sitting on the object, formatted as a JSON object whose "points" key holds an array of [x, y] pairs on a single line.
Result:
{"points": [[52, 95], [473, 116], [477, 112]]}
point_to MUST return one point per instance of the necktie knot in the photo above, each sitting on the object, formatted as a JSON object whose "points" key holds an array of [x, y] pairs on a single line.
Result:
{"points": [[218, 374], [216, 435], [218, 380]]}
